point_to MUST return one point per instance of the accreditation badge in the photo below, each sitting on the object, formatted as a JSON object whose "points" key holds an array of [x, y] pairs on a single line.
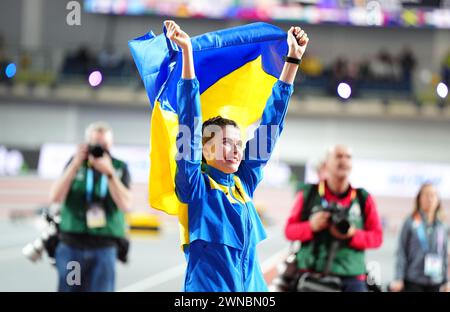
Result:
{"points": [[95, 216], [433, 265]]}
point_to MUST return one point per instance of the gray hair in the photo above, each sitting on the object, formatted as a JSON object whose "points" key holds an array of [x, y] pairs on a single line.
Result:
{"points": [[332, 148], [98, 126]]}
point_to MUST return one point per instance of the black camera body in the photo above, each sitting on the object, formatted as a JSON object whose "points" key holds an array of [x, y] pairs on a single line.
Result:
{"points": [[338, 216], [96, 150]]}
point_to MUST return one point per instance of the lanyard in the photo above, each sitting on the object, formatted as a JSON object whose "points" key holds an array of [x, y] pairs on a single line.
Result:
{"points": [[325, 203], [90, 185], [427, 236]]}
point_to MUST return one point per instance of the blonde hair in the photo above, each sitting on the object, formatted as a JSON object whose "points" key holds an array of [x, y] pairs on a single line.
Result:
{"points": [[98, 126]]}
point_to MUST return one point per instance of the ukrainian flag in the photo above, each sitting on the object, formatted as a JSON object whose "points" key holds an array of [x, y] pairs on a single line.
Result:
{"points": [[236, 68]]}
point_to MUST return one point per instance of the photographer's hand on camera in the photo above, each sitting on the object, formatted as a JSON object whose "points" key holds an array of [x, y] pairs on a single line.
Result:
{"points": [[119, 193], [61, 187], [336, 234], [319, 221], [102, 164], [80, 156]]}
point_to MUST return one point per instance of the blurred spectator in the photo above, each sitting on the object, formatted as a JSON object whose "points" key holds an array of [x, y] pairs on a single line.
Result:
{"points": [[94, 192], [2, 49], [340, 69], [383, 67], [111, 62], [4, 61], [339, 72], [328, 248], [408, 64], [83, 58], [446, 69], [343, 71], [108, 58], [364, 73], [80, 63], [422, 256], [311, 65]]}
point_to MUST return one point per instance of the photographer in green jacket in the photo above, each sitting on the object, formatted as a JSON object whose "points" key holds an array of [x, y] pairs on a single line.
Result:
{"points": [[94, 194]]}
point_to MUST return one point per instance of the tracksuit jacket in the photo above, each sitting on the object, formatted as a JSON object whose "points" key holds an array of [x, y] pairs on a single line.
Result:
{"points": [[223, 224]]}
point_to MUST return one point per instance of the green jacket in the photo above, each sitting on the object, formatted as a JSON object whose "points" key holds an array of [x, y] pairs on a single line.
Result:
{"points": [[313, 254], [73, 210]]}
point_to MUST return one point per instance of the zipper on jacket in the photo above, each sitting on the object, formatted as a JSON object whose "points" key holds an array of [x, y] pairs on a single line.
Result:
{"points": [[246, 220]]}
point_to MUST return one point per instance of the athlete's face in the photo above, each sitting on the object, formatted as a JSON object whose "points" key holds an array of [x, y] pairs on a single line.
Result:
{"points": [[224, 151], [339, 162]]}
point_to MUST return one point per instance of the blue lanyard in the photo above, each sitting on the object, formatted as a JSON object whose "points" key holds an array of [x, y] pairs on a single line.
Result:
{"points": [[424, 237], [420, 229], [90, 185]]}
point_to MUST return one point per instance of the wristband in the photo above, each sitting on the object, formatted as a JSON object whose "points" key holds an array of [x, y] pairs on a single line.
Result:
{"points": [[292, 60]]}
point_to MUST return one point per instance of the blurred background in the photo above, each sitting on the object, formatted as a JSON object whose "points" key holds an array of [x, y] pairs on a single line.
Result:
{"points": [[375, 77]]}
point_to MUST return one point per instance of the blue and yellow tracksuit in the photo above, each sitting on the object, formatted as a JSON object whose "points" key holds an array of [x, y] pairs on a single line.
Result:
{"points": [[224, 227]]}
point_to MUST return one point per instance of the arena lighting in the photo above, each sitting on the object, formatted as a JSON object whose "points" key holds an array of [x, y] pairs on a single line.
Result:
{"points": [[11, 70], [442, 90], [95, 78], [344, 90]]}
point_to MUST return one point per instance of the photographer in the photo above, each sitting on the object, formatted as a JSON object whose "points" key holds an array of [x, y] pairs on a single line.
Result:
{"points": [[335, 224], [94, 193]]}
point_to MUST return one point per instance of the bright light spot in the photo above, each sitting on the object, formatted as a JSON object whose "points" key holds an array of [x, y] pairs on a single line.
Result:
{"points": [[11, 70], [442, 90], [95, 78], [344, 90]]}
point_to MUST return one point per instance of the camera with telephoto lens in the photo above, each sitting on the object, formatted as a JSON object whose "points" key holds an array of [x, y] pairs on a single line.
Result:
{"points": [[46, 241], [338, 216], [96, 150]]}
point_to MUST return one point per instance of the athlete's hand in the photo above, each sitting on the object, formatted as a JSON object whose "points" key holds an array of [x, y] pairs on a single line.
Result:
{"points": [[177, 35], [297, 41]]}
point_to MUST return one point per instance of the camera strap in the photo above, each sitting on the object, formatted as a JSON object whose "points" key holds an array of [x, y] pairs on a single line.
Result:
{"points": [[90, 185], [333, 245], [333, 248]]}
